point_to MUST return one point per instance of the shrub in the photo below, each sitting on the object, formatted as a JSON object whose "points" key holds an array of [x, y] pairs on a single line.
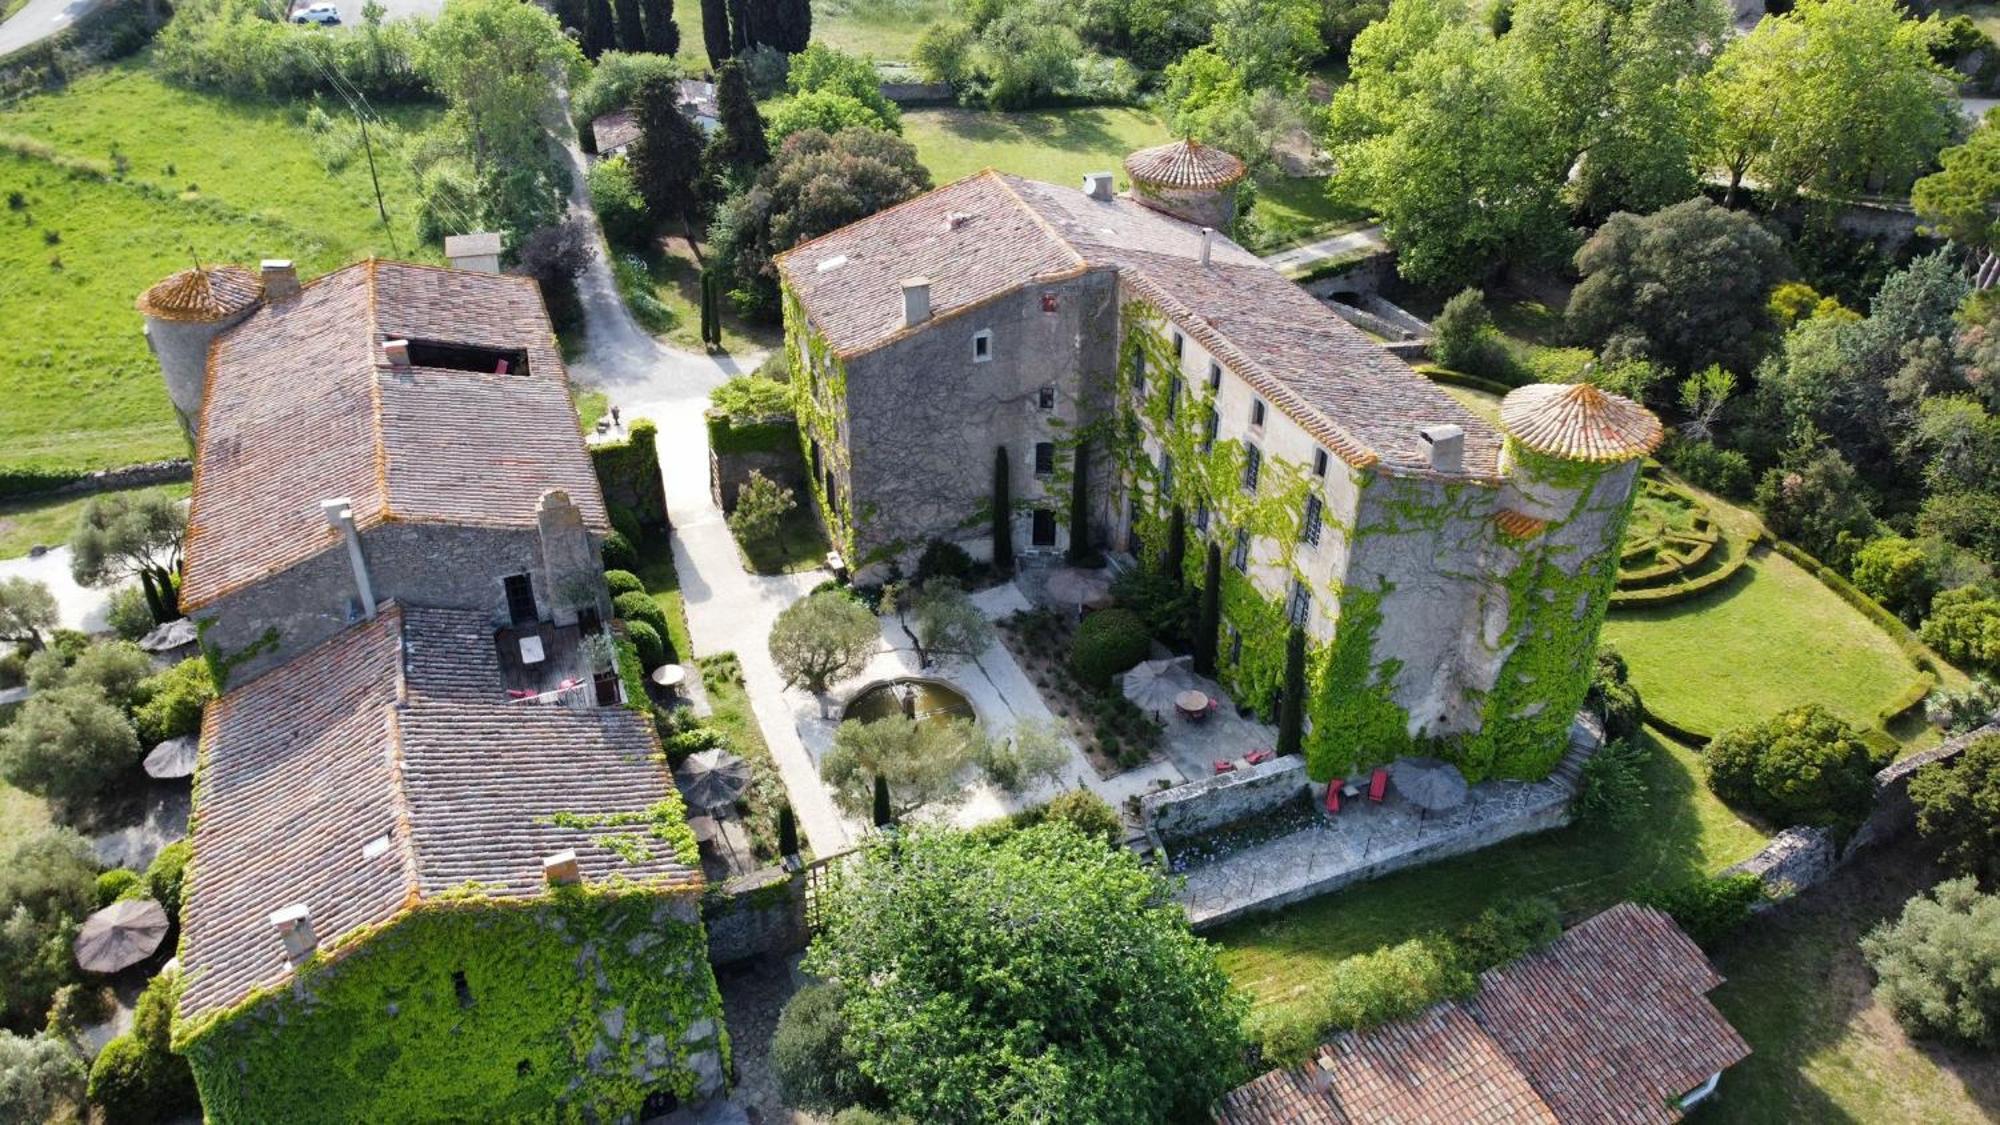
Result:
{"points": [[1956, 712], [13, 669], [1089, 814], [68, 745], [1107, 643], [127, 614], [1463, 339], [943, 559], [166, 876], [48, 885], [645, 638], [1707, 465], [113, 884], [1708, 909], [749, 399], [641, 607], [1958, 807], [114, 668], [1895, 571], [137, 1078], [1029, 753], [1614, 786], [1802, 766], [619, 553], [1163, 601], [1964, 625], [171, 702], [1938, 965], [41, 1077], [1505, 933], [623, 582], [1362, 992], [808, 1055], [1614, 696]]}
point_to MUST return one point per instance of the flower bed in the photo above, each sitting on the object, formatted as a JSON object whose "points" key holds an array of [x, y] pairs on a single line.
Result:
{"points": [[1114, 735]]}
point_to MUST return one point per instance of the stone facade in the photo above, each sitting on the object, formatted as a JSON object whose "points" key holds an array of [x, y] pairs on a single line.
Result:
{"points": [[1217, 802], [757, 915], [181, 346], [431, 565]]}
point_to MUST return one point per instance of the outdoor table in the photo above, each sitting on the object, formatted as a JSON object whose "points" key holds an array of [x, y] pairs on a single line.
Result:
{"points": [[669, 676], [1191, 704]]}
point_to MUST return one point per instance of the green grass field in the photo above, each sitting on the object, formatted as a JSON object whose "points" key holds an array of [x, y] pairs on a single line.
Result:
{"points": [[884, 30], [1685, 832], [1773, 638], [1059, 146], [214, 178], [49, 522]]}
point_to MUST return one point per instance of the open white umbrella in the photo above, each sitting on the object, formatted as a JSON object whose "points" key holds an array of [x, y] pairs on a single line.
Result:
{"points": [[1152, 685], [121, 935], [174, 758], [1074, 586]]}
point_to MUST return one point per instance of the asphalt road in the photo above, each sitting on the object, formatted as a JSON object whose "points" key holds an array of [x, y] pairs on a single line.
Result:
{"points": [[39, 20]]}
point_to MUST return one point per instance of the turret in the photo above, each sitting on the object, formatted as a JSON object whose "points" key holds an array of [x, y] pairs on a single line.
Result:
{"points": [[184, 314], [1562, 439], [1188, 180]]}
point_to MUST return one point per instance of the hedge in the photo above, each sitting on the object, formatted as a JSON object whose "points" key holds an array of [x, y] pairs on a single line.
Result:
{"points": [[753, 437], [1686, 736], [1452, 378], [1910, 700], [629, 472], [1664, 595]]}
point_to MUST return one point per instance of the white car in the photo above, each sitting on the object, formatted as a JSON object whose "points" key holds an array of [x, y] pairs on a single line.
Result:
{"points": [[318, 13]]}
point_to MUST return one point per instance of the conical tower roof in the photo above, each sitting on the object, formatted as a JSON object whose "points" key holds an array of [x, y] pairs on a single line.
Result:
{"points": [[1578, 422], [206, 294], [1184, 164]]}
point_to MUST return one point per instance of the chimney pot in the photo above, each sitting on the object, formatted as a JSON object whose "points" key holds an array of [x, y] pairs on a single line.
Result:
{"points": [[397, 352], [561, 868], [281, 279], [295, 929], [1447, 446], [1207, 244], [916, 301], [1097, 185]]}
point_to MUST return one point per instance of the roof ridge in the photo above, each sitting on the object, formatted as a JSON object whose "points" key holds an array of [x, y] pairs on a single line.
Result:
{"points": [[1033, 213], [372, 341], [889, 210]]}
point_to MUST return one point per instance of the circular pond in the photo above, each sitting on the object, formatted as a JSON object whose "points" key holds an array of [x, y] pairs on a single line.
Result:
{"points": [[923, 700]]}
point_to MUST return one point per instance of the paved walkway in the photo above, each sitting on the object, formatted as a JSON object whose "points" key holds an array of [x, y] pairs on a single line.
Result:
{"points": [[77, 607], [1298, 259], [728, 609]]}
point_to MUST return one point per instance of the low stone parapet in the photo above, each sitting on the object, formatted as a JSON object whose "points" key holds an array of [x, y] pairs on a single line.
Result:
{"points": [[1212, 803]]}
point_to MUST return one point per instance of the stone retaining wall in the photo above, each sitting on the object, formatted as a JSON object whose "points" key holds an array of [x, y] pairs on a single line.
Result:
{"points": [[142, 475], [728, 472], [752, 915], [1216, 802]]}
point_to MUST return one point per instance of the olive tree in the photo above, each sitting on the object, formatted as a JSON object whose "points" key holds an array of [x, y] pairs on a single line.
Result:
{"points": [[27, 610], [124, 535], [826, 637], [940, 620], [921, 762], [67, 745], [1937, 967]]}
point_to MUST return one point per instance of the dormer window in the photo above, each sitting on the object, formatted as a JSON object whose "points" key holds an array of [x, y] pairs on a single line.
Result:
{"points": [[982, 345]]}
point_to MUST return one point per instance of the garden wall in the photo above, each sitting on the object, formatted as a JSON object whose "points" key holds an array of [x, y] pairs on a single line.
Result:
{"points": [[734, 452], [755, 915], [1212, 803], [629, 473], [31, 484]]}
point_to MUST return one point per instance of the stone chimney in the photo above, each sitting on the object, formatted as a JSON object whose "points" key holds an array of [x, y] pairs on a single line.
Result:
{"points": [[397, 352], [281, 279], [1207, 244], [916, 301], [340, 516], [1447, 446], [1097, 185], [560, 869], [295, 929], [570, 562]]}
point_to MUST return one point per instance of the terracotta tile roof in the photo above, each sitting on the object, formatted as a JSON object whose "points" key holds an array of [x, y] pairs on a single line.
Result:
{"points": [[1611, 1022], [206, 294], [1322, 372], [1184, 164], [1579, 422], [398, 730], [1607, 1026], [301, 406], [614, 130], [1519, 525]]}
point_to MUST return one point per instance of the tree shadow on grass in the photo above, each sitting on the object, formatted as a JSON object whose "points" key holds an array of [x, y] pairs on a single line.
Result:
{"points": [[1799, 991], [1076, 130]]}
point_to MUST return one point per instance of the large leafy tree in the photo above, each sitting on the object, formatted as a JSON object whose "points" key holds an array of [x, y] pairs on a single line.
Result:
{"points": [[47, 886], [1041, 978], [1835, 97], [1961, 201], [27, 610], [125, 535], [1937, 967], [499, 63], [923, 763], [826, 637], [1958, 807], [1685, 286], [68, 745]]}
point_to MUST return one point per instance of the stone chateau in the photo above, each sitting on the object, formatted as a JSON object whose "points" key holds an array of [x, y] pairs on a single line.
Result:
{"points": [[1450, 575], [438, 862]]}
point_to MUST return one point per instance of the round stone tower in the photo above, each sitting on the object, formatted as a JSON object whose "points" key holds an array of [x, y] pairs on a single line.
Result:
{"points": [[1188, 180], [184, 314], [1565, 443]]}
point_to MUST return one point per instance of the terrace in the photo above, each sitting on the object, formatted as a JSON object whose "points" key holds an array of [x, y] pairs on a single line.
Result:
{"points": [[550, 664]]}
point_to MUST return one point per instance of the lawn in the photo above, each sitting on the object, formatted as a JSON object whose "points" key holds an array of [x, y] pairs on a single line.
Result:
{"points": [[1772, 638], [884, 30], [122, 180], [798, 545], [672, 276], [656, 570], [49, 522], [1798, 990], [1059, 146], [1685, 832]]}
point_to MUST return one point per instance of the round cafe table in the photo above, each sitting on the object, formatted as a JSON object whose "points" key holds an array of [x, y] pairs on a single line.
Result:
{"points": [[669, 675], [1191, 703]]}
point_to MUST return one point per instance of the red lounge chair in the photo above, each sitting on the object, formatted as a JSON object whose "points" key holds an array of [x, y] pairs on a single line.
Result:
{"points": [[1224, 765], [1378, 786], [1333, 794], [1258, 757]]}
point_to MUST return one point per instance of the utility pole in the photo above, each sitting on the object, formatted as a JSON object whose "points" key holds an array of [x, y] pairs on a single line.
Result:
{"points": [[369, 147]]}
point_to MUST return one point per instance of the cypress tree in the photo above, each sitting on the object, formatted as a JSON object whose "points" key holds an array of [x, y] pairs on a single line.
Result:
{"points": [[788, 831], [1292, 708], [600, 32], [715, 31], [791, 25], [1079, 514], [1176, 545], [631, 28], [1210, 622], [1003, 515], [666, 160], [740, 146], [742, 35], [663, 35], [882, 815]]}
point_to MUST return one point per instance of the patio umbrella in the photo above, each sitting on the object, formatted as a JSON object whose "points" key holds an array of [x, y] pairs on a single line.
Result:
{"points": [[1152, 684], [121, 935], [1428, 783], [1073, 586], [173, 758], [713, 779], [178, 633]]}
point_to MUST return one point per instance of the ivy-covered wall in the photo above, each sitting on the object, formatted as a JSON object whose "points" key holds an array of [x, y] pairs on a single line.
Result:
{"points": [[571, 1007], [819, 403]]}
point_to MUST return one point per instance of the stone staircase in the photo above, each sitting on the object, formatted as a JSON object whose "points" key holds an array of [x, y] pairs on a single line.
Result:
{"points": [[1586, 734]]}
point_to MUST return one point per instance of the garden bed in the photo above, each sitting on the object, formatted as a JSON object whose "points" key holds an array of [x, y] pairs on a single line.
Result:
{"points": [[1114, 735]]}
